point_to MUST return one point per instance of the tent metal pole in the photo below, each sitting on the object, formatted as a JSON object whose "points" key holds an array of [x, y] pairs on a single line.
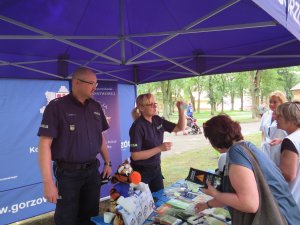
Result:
{"points": [[208, 29], [253, 54], [25, 26], [106, 49], [103, 72], [164, 57], [42, 37], [29, 62], [123, 55], [32, 69], [167, 70], [164, 33], [164, 71], [200, 20]]}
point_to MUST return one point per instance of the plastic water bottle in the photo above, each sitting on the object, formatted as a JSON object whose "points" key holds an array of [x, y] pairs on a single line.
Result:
{"points": [[183, 106]]}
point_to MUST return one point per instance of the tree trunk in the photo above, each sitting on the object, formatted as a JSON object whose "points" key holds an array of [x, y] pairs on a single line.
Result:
{"points": [[212, 100], [232, 101], [191, 97], [255, 77], [222, 105], [199, 94], [166, 93], [242, 99]]}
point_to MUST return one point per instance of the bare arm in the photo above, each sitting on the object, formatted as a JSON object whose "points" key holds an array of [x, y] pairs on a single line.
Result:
{"points": [[289, 165], [105, 156], [181, 120], [146, 154], [212, 203], [246, 198], [45, 162]]}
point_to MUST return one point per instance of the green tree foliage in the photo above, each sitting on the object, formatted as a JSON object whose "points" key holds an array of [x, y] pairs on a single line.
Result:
{"points": [[288, 78], [269, 83], [259, 84], [242, 83], [214, 89]]}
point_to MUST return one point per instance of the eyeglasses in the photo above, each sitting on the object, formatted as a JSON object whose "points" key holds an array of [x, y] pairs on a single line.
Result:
{"points": [[154, 104], [89, 82]]}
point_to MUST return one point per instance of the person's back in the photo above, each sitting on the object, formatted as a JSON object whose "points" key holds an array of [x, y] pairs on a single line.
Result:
{"points": [[189, 110], [274, 178]]}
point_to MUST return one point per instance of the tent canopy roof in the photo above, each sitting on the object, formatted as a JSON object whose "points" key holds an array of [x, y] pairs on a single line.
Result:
{"points": [[134, 41]]}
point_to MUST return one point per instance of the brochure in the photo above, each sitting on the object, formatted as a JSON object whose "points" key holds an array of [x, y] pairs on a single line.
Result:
{"points": [[200, 177]]}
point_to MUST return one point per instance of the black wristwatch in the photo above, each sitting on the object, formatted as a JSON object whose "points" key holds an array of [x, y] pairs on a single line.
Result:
{"points": [[108, 164]]}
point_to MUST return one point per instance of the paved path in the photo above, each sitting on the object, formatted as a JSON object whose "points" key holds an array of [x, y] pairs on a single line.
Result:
{"points": [[182, 143]]}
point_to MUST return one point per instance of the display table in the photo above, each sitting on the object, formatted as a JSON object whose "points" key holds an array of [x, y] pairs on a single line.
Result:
{"points": [[178, 200]]}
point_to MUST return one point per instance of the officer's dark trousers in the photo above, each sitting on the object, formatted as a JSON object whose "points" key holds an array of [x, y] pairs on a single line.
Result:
{"points": [[151, 175], [80, 194]]}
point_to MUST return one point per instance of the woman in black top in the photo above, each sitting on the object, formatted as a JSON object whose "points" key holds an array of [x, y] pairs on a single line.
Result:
{"points": [[146, 139]]}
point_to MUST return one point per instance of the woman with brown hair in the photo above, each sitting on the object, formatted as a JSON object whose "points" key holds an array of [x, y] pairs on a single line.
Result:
{"points": [[253, 187], [147, 139]]}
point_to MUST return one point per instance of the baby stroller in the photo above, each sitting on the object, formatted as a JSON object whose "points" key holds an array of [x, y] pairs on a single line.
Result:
{"points": [[192, 123]]}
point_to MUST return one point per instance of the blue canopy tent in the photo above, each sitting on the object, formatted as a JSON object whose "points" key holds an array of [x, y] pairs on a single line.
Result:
{"points": [[127, 41], [135, 41]]}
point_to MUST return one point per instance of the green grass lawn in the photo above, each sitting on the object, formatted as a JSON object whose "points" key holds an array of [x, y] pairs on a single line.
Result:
{"points": [[204, 115], [176, 167]]}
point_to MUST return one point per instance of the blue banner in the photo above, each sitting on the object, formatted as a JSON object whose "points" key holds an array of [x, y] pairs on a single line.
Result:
{"points": [[22, 203], [286, 12], [127, 95], [22, 103], [107, 95]]}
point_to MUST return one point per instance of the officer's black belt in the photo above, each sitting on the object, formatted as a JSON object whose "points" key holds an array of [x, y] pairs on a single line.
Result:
{"points": [[75, 166], [145, 167]]}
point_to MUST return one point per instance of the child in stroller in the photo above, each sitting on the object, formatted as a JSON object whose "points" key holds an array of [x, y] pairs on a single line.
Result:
{"points": [[192, 123]]}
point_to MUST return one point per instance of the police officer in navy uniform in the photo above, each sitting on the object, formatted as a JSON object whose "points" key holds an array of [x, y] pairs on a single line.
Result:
{"points": [[146, 139], [71, 135]]}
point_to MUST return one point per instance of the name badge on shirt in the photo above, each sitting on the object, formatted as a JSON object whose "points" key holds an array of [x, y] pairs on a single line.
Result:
{"points": [[72, 127]]}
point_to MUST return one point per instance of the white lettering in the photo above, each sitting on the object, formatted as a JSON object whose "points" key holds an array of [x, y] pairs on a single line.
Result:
{"points": [[31, 203], [297, 13], [3, 210], [39, 201], [282, 2], [294, 11], [22, 205], [33, 150], [125, 144]]}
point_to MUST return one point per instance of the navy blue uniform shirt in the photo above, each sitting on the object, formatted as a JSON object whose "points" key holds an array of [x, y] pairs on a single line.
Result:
{"points": [[145, 135], [76, 129]]}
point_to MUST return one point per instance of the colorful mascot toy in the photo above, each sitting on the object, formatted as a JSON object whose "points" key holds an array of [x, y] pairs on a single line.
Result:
{"points": [[125, 181]]}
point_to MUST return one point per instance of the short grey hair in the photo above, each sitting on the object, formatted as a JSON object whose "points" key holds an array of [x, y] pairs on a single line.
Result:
{"points": [[290, 111]]}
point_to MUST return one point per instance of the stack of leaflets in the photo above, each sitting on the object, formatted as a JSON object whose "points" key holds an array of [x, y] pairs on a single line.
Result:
{"points": [[167, 220], [200, 177]]}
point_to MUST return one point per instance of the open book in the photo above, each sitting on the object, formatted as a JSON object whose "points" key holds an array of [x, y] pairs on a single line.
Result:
{"points": [[200, 177]]}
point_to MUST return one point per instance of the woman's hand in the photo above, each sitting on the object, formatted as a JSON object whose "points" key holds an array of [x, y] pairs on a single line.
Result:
{"points": [[210, 190], [275, 141], [166, 146], [180, 105], [199, 207]]}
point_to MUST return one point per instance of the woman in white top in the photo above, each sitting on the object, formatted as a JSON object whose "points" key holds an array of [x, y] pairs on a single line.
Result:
{"points": [[271, 135], [288, 119]]}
